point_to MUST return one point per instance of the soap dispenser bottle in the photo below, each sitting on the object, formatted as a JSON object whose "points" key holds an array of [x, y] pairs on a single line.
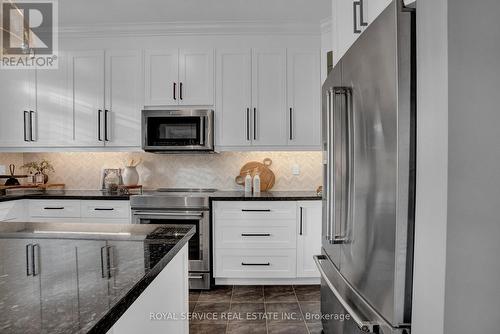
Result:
{"points": [[256, 183], [248, 184]]}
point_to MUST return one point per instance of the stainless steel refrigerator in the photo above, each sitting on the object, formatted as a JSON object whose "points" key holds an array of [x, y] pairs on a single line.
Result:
{"points": [[369, 180]]}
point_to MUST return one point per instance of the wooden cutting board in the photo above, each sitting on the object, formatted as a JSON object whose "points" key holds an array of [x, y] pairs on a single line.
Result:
{"points": [[267, 177]]}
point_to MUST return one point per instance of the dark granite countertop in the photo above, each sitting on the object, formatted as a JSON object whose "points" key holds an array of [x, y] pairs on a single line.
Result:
{"points": [[217, 196], [265, 196], [73, 290], [62, 194]]}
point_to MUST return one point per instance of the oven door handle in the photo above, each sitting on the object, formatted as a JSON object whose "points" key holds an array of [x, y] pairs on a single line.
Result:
{"points": [[183, 214]]}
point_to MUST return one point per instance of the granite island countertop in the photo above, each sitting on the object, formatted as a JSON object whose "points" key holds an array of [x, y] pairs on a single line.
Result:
{"points": [[60, 278]]}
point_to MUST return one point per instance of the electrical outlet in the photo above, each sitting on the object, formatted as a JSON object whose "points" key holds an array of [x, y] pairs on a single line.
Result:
{"points": [[295, 169], [2, 169]]}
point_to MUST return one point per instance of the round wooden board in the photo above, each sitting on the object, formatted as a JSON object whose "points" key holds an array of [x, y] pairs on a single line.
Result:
{"points": [[267, 177]]}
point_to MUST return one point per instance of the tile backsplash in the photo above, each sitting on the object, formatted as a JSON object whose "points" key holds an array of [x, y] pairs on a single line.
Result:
{"points": [[81, 170]]}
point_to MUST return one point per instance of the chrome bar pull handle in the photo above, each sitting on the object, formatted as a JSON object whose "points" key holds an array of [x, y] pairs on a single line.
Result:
{"points": [[301, 223], [25, 125], [106, 112], [255, 264], [29, 250], [364, 326], [32, 136], [99, 112], [291, 123], [35, 258], [254, 123], [175, 90], [248, 124]]}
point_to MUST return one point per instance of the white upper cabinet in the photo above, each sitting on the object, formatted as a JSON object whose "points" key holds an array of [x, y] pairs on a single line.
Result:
{"points": [[105, 90], [123, 96], [303, 94], [350, 19], [269, 97], [18, 96], [53, 117], [234, 98], [161, 77], [86, 86], [196, 77], [179, 77]]}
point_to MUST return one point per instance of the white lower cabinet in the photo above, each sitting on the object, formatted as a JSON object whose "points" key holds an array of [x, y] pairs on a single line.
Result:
{"points": [[13, 211], [309, 216], [168, 294], [266, 241], [256, 263], [79, 211]]}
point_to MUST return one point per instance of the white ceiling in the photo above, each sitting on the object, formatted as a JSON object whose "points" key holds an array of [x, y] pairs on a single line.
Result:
{"points": [[91, 12]]}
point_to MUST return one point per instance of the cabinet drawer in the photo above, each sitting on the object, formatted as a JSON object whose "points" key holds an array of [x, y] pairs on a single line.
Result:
{"points": [[254, 210], [106, 209], [249, 236], [54, 208], [257, 263], [12, 210]]}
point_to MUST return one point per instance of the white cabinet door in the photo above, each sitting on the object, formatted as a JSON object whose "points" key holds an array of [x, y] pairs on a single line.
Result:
{"points": [[17, 93], [373, 8], [196, 77], [309, 219], [53, 117], [13, 211], [344, 24], [161, 77], [87, 96], [350, 19], [234, 98], [123, 98], [303, 96], [269, 97]]}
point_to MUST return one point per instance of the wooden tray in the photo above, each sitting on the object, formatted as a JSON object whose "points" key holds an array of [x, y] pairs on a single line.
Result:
{"points": [[267, 177]]}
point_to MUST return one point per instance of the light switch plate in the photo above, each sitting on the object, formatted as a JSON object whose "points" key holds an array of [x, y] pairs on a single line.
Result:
{"points": [[2, 169], [295, 169]]}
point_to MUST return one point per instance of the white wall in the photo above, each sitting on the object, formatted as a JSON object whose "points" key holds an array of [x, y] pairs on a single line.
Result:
{"points": [[472, 294], [457, 266], [432, 167]]}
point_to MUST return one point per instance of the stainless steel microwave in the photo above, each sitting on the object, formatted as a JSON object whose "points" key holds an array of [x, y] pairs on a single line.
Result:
{"points": [[178, 131]]}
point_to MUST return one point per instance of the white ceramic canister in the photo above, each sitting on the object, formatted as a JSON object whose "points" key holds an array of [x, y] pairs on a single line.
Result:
{"points": [[130, 176]]}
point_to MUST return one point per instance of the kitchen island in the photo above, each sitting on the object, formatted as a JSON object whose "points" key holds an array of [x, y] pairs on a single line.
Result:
{"points": [[93, 278]]}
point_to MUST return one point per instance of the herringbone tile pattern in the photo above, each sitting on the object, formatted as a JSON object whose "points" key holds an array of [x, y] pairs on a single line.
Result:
{"points": [[81, 170]]}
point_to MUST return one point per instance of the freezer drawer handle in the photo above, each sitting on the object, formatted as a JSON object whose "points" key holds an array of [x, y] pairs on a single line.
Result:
{"points": [[255, 234], [255, 264], [365, 326], [195, 276]]}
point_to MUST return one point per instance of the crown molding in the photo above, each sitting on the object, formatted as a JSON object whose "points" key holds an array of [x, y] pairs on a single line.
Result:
{"points": [[193, 28]]}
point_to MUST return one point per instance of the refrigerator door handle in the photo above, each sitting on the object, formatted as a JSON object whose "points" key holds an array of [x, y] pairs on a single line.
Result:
{"points": [[328, 176], [364, 326]]}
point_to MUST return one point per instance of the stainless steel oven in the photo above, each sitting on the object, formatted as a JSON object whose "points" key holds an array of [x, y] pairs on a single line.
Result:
{"points": [[173, 131], [181, 207]]}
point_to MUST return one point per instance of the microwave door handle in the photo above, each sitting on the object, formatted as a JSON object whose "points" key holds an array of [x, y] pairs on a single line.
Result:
{"points": [[202, 130]]}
